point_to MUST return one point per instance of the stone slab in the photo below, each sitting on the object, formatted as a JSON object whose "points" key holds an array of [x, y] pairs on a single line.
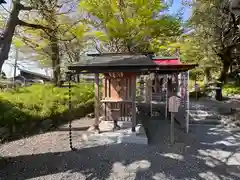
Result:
{"points": [[124, 135], [133, 138], [108, 125], [206, 121]]}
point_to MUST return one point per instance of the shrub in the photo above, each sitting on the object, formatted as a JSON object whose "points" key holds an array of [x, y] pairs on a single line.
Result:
{"points": [[231, 89], [40, 102]]}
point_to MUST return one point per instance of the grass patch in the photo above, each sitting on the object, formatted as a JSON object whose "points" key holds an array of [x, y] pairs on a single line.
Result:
{"points": [[231, 89], [40, 102]]}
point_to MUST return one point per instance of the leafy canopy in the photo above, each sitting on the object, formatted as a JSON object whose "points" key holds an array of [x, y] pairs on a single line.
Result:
{"points": [[129, 25]]}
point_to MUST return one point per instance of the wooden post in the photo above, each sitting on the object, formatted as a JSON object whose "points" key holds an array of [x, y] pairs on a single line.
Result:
{"points": [[147, 91], [148, 94], [172, 128], [166, 90], [141, 82], [174, 103], [187, 100], [97, 102], [133, 88]]}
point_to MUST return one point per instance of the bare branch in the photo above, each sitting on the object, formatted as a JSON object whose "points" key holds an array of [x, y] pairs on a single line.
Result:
{"points": [[96, 46], [5, 9], [33, 45], [67, 12], [26, 8], [34, 26]]}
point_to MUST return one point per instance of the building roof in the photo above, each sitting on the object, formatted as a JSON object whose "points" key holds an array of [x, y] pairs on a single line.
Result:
{"points": [[112, 62], [35, 74]]}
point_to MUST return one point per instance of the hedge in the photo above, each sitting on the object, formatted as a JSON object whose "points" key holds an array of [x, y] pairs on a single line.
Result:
{"points": [[27, 109]]}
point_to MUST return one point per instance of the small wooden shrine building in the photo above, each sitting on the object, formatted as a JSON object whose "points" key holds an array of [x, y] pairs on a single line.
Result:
{"points": [[116, 99]]}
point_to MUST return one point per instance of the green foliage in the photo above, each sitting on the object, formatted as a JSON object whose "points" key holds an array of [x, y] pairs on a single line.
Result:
{"points": [[195, 49], [217, 35], [134, 25], [39, 102], [191, 84], [231, 89], [68, 33]]}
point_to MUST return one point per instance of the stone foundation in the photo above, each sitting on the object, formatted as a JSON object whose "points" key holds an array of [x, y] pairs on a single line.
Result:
{"points": [[124, 135]]}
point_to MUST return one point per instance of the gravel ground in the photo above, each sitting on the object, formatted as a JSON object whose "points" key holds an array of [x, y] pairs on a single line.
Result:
{"points": [[208, 152]]}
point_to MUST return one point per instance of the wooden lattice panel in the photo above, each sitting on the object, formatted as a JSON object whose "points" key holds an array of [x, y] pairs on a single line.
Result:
{"points": [[117, 94], [117, 86]]}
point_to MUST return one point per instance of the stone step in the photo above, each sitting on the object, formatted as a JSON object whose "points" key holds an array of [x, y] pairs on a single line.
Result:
{"points": [[133, 139], [203, 116], [207, 121], [201, 111], [199, 114], [204, 125]]}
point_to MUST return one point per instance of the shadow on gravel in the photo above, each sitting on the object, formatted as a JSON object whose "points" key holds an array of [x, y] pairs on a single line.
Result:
{"points": [[192, 159]]}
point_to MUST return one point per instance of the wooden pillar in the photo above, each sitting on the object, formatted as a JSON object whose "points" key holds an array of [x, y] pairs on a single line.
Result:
{"points": [[133, 89], [187, 101], [142, 83], [148, 94], [104, 96], [97, 102], [166, 96], [179, 84], [172, 128]]}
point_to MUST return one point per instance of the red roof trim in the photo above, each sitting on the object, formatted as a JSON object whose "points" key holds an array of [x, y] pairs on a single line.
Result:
{"points": [[167, 61]]}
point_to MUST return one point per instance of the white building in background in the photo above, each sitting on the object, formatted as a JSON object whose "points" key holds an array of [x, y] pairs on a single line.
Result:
{"points": [[22, 63]]}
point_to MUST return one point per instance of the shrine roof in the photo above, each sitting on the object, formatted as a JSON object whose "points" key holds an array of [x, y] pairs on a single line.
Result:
{"points": [[119, 62]]}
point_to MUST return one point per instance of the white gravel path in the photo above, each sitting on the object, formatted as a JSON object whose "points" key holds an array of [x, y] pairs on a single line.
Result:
{"points": [[208, 153]]}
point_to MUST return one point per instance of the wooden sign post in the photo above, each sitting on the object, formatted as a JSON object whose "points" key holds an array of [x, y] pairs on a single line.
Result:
{"points": [[196, 88], [173, 106]]}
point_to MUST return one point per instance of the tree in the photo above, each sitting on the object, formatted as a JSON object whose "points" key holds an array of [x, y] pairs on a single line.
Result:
{"points": [[48, 45], [74, 48], [47, 15], [219, 27], [194, 48], [13, 22], [129, 26], [45, 18]]}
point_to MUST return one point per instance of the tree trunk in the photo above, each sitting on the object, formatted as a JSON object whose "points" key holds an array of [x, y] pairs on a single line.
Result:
{"points": [[224, 72], [8, 34], [55, 59], [54, 44], [226, 63], [78, 78], [207, 72], [13, 21]]}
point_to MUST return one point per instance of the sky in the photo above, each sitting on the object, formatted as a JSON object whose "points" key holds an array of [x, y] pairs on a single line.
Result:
{"points": [[8, 67], [178, 5]]}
